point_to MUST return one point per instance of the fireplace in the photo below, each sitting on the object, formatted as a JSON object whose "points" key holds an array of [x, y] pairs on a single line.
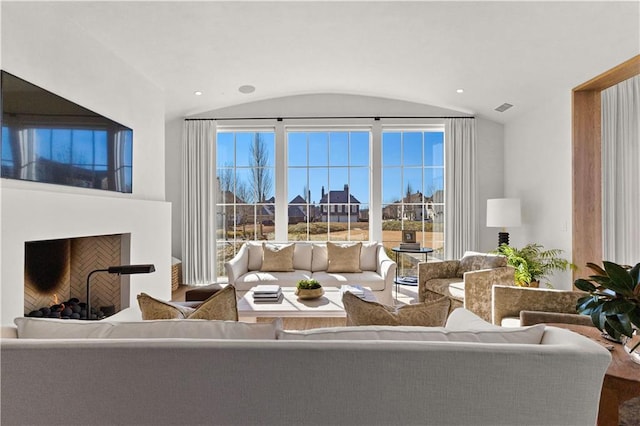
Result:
{"points": [[56, 272]]}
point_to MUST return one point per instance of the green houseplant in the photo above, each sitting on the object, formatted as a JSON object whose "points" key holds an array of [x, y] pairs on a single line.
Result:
{"points": [[613, 302], [532, 263], [309, 289]]}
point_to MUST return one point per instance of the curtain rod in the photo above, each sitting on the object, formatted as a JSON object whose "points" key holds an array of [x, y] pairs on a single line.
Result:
{"points": [[375, 118]]}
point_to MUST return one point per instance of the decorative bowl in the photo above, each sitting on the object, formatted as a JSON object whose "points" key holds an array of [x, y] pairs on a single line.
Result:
{"points": [[313, 293]]}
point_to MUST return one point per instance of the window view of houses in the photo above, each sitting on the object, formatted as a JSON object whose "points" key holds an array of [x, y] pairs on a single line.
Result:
{"points": [[328, 187]]}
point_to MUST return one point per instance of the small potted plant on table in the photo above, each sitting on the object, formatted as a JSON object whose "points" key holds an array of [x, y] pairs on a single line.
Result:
{"points": [[309, 289]]}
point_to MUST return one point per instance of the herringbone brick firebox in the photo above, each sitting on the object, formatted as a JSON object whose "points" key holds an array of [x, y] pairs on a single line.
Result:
{"points": [[56, 270]]}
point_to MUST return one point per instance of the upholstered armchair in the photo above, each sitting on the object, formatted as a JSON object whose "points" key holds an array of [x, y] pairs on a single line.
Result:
{"points": [[526, 306], [467, 282]]}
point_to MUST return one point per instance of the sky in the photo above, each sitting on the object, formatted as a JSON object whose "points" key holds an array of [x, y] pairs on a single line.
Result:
{"points": [[335, 158]]}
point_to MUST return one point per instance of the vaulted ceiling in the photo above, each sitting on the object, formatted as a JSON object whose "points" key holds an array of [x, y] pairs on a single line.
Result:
{"points": [[420, 51]]}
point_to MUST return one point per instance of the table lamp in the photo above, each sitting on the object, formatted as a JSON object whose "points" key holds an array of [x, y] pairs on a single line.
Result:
{"points": [[503, 213]]}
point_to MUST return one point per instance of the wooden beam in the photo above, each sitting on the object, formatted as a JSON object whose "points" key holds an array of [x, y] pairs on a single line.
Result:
{"points": [[586, 141]]}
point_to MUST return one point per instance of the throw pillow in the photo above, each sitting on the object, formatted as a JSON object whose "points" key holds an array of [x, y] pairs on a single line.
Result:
{"points": [[369, 256], [463, 319], [221, 306], [277, 258], [427, 314], [522, 335], [41, 328], [343, 258]]}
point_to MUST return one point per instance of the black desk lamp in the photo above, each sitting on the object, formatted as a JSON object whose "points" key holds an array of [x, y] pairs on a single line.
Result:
{"points": [[120, 270]]}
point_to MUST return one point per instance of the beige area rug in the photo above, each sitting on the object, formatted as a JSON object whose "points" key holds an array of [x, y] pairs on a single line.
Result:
{"points": [[630, 412]]}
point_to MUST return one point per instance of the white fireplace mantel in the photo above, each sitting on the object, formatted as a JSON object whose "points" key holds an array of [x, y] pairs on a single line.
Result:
{"points": [[31, 215]]}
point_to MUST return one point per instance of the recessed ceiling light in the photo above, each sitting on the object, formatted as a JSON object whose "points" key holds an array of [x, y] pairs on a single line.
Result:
{"points": [[460, 91], [197, 93], [247, 88]]}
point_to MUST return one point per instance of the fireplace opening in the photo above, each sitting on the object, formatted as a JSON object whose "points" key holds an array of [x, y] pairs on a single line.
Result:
{"points": [[56, 272]]}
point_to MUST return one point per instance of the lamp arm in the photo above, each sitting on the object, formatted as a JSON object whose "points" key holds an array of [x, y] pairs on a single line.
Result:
{"points": [[88, 290]]}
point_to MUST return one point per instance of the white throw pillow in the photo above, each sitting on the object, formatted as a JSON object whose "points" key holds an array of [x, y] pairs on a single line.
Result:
{"points": [[524, 335], [369, 256], [302, 256], [463, 319], [255, 255], [320, 258], [41, 328]]}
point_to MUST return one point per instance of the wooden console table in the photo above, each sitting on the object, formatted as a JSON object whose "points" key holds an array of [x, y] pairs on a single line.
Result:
{"points": [[621, 381]]}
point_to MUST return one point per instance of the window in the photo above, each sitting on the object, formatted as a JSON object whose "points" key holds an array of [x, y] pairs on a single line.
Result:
{"points": [[245, 202], [413, 187], [328, 185], [316, 184]]}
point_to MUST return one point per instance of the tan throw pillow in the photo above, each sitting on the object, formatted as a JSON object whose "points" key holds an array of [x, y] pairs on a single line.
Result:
{"points": [[343, 258], [277, 258], [427, 314], [221, 306]]}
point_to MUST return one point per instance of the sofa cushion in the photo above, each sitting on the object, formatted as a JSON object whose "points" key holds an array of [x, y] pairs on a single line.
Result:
{"points": [[343, 257], [221, 306], [456, 290], [320, 259], [255, 255], [522, 335], [277, 258], [41, 328], [442, 286], [363, 312], [369, 256], [283, 279], [473, 261], [302, 256], [365, 279]]}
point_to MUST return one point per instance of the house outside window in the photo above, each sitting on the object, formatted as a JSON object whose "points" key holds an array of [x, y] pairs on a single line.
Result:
{"points": [[328, 178]]}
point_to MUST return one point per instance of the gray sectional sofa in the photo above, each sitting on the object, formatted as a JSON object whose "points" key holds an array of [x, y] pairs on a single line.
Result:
{"points": [[198, 372]]}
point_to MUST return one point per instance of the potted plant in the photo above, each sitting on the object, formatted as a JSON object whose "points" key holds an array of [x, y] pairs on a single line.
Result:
{"points": [[532, 263], [309, 289], [613, 302]]}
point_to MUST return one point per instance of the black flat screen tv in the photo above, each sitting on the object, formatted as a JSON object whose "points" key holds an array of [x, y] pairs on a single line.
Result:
{"points": [[49, 139]]}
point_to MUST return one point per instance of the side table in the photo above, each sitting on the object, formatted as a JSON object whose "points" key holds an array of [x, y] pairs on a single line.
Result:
{"points": [[401, 280], [621, 381]]}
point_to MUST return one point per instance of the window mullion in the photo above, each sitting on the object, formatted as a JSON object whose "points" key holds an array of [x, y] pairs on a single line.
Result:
{"points": [[281, 162]]}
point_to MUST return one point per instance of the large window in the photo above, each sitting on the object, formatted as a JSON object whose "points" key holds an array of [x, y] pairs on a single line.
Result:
{"points": [[245, 198], [413, 187], [328, 185], [320, 184]]}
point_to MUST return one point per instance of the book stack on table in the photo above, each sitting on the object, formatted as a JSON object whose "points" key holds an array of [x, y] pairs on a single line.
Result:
{"points": [[267, 293]]}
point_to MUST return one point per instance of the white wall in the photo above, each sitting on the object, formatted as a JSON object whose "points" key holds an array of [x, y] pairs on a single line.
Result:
{"points": [[538, 171], [49, 51], [490, 142]]}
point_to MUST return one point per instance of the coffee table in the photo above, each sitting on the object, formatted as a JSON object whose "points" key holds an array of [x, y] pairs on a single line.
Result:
{"points": [[289, 307]]}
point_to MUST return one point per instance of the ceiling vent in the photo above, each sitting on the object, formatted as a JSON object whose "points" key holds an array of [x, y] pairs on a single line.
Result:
{"points": [[503, 107]]}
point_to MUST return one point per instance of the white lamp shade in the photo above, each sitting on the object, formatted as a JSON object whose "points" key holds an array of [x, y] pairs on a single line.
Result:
{"points": [[503, 212]]}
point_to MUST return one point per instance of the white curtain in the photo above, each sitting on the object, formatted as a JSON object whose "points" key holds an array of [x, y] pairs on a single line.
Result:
{"points": [[621, 172], [198, 180], [461, 232]]}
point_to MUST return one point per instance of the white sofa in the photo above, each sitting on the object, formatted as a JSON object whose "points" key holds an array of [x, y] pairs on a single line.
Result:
{"points": [[261, 375], [310, 260]]}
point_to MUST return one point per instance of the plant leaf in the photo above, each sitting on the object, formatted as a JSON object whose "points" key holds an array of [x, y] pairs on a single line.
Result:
{"points": [[617, 306], [586, 304], [584, 285], [621, 281], [595, 268]]}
